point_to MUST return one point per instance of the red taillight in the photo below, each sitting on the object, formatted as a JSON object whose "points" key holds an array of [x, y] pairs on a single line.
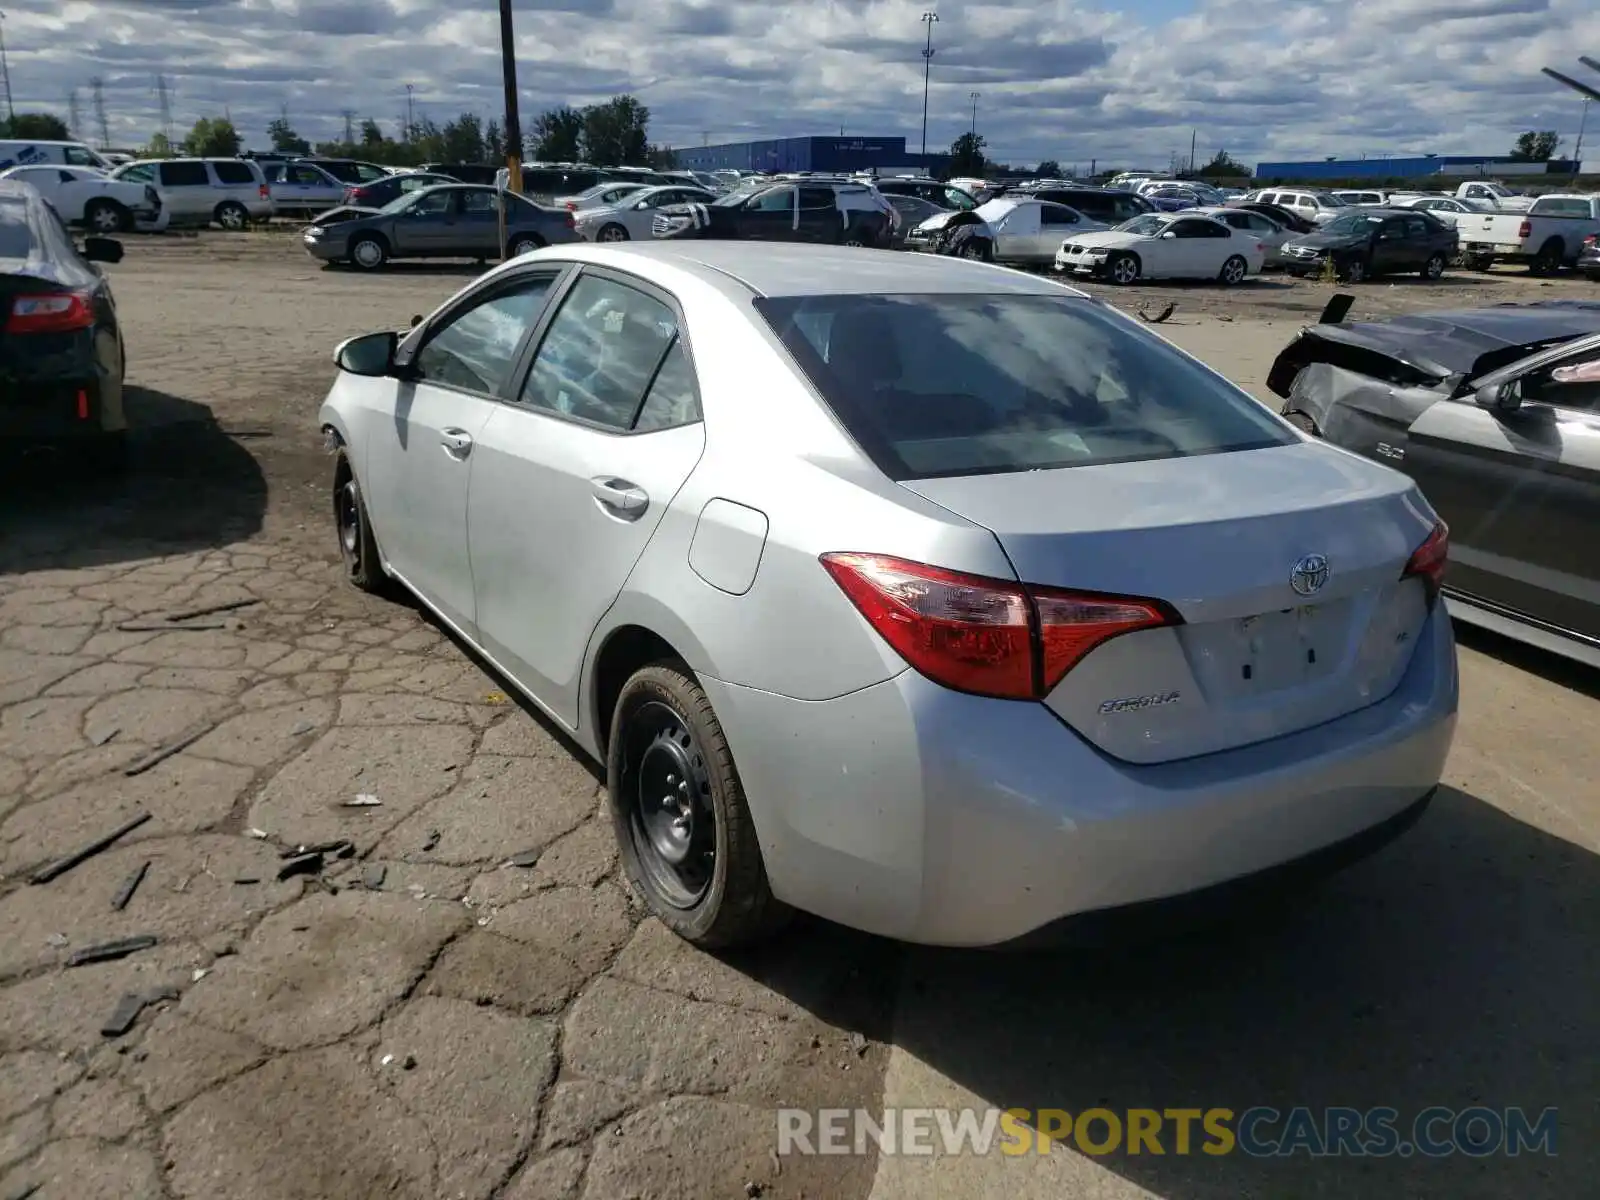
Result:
{"points": [[355, 195], [1592, 240], [51, 312], [572, 206], [990, 637], [266, 192], [1429, 560], [1525, 229]]}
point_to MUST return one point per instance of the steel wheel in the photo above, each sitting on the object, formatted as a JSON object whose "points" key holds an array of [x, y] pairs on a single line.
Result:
{"points": [[612, 233], [232, 216], [347, 520], [368, 253], [1355, 270], [1124, 269], [106, 218], [524, 244], [1434, 268], [668, 789], [1234, 270]]}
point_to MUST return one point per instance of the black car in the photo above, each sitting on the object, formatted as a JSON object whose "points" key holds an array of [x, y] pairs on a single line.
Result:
{"points": [[1495, 412], [844, 214], [381, 191], [1374, 241], [61, 360], [464, 172], [1286, 217], [1589, 258], [348, 170], [1106, 205], [943, 194]]}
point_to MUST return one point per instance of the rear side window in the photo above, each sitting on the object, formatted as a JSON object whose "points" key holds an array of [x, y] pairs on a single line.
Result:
{"points": [[233, 173], [80, 156], [16, 236], [933, 385], [184, 174]]}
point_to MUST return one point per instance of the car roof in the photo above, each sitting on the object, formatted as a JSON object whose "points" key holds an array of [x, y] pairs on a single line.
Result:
{"points": [[739, 268]]}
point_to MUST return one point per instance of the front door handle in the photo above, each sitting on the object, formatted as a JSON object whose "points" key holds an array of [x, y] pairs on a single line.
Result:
{"points": [[619, 497], [457, 443]]}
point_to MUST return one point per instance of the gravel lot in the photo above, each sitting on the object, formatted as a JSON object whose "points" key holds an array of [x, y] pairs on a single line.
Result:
{"points": [[421, 1019]]}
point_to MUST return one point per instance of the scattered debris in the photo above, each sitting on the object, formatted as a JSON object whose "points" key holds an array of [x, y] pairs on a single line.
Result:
{"points": [[58, 940], [495, 698], [211, 610], [1224, 317], [63, 865], [103, 736], [160, 755], [777, 1163], [166, 627], [198, 974], [364, 800], [259, 834], [339, 848], [386, 1060], [409, 1062], [111, 951], [1160, 316], [752, 1189], [858, 1043], [417, 891], [372, 878], [301, 864], [24, 1191], [130, 1006], [246, 879], [430, 841], [526, 859], [129, 886], [300, 727]]}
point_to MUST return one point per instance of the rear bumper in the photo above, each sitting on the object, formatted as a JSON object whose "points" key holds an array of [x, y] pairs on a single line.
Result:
{"points": [[923, 814], [60, 410]]}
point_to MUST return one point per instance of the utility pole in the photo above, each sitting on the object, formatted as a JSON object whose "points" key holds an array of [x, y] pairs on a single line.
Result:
{"points": [[74, 114], [349, 115], [5, 70], [1192, 135], [164, 95], [973, 96], [928, 19], [508, 69], [411, 122], [97, 92], [1577, 149]]}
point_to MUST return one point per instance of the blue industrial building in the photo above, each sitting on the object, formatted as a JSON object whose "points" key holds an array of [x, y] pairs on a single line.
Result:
{"points": [[1394, 168], [841, 154]]}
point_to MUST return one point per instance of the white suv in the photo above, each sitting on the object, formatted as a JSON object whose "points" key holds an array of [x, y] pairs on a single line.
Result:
{"points": [[230, 191]]}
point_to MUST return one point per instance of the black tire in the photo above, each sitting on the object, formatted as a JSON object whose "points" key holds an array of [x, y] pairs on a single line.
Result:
{"points": [[1302, 422], [1434, 268], [1119, 266], [666, 738], [107, 216], [613, 232], [977, 251], [363, 566], [1549, 259], [232, 215], [1353, 270], [368, 252], [1233, 271], [525, 243], [1476, 262]]}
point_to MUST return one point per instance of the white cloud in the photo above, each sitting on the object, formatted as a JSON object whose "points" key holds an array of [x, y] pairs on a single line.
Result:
{"points": [[1063, 79]]}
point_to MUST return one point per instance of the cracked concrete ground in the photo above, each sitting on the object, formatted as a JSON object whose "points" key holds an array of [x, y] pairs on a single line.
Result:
{"points": [[420, 1018]]}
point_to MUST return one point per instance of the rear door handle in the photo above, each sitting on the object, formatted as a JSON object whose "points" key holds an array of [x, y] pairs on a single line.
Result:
{"points": [[619, 497], [457, 443]]}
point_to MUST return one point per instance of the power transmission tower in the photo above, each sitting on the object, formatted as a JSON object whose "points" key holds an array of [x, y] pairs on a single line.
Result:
{"points": [[164, 98], [74, 114], [349, 115], [97, 89]]}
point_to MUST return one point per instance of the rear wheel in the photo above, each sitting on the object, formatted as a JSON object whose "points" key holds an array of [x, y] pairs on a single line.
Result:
{"points": [[107, 216], [687, 841], [527, 243], [1548, 260], [1434, 267], [230, 214], [1234, 270], [611, 232], [1123, 269], [357, 547]]}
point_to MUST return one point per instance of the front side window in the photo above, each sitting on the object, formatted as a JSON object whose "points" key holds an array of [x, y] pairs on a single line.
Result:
{"points": [[478, 203], [600, 353], [139, 174], [475, 349], [779, 200], [1149, 225], [184, 174], [432, 204], [933, 385]]}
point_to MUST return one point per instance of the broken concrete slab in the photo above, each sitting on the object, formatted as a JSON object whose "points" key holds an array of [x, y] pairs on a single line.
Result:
{"points": [[581, 859], [29, 1077], [588, 925], [181, 1059], [688, 1146], [484, 968], [576, 1108], [261, 737], [556, 1176], [86, 1169]]}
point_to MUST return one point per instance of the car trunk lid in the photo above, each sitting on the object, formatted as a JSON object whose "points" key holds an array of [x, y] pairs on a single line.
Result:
{"points": [[1221, 539]]}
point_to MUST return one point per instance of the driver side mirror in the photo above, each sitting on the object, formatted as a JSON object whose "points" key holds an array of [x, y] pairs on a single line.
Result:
{"points": [[102, 250], [1506, 398], [1168, 234], [371, 355]]}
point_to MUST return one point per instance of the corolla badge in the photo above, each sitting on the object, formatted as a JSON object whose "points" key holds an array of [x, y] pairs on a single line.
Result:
{"points": [[1310, 575]]}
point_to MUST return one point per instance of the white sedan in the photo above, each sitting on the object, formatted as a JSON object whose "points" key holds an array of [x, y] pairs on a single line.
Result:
{"points": [[85, 196], [1020, 230], [1165, 246], [629, 218]]}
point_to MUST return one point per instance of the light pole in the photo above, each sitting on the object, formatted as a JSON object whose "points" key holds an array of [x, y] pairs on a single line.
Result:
{"points": [[928, 19], [508, 69], [1577, 149], [973, 96], [5, 69], [411, 122]]}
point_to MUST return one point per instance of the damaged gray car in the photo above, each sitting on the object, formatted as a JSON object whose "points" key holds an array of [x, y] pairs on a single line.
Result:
{"points": [[1495, 412]]}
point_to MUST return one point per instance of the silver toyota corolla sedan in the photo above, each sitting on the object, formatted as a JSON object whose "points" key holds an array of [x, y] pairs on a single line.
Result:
{"points": [[933, 598]]}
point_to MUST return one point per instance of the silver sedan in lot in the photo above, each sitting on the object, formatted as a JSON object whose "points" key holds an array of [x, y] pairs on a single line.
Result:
{"points": [[933, 598]]}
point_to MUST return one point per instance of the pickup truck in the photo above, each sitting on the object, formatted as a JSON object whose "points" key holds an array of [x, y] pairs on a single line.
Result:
{"points": [[1487, 194], [1546, 237]]}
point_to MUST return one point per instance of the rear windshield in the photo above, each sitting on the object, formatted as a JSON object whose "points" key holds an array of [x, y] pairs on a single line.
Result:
{"points": [[233, 172], [16, 236], [935, 385]]}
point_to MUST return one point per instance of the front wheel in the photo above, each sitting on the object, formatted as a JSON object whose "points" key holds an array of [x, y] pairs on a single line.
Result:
{"points": [[363, 566], [1123, 269], [369, 253], [106, 216], [611, 232], [1233, 271], [1354, 271], [687, 840], [232, 215], [1433, 269], [525, 243]]}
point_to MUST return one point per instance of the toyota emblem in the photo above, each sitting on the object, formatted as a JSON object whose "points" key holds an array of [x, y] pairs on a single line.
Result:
{"points": [[1310, 574]]}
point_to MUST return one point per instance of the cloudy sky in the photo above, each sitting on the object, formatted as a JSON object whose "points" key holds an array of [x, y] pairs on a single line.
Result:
{"points": [[1124, 82]]}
